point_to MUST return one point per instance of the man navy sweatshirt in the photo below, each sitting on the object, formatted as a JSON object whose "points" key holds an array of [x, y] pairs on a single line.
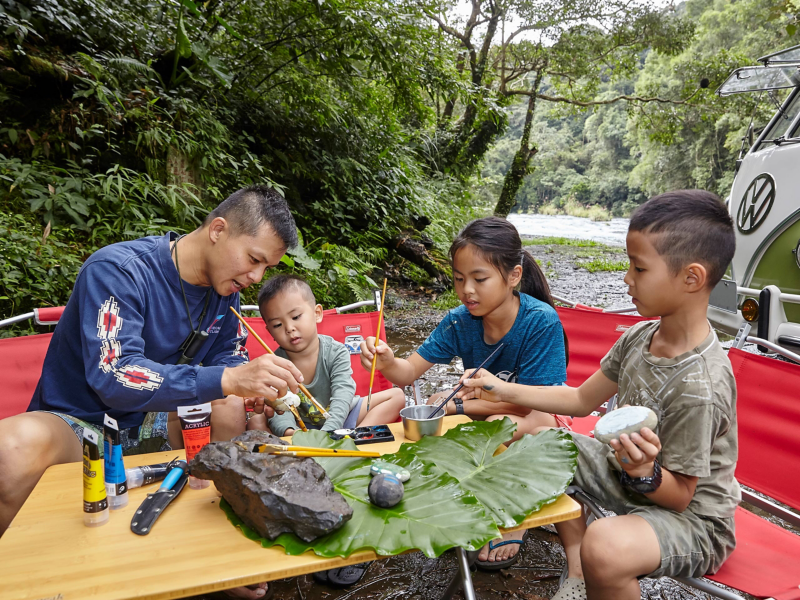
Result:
{"points": [[115, 347]]}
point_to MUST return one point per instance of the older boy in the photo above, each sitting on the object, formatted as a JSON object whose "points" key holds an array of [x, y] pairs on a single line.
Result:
{"points": [[674, 488], [291, 313]]}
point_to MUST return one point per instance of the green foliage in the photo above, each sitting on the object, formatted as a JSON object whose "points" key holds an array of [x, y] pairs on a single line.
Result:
{"points": [[446, 301], [605, 264], [559, 241], [532, 473], [451, 498], [35, 270]]}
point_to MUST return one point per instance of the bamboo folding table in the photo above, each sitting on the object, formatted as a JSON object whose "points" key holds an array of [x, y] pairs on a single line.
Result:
{"points": [[48, 554]]}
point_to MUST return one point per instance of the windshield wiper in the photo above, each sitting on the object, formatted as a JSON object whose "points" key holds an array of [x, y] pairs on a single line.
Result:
{"points": [[783, 140]]}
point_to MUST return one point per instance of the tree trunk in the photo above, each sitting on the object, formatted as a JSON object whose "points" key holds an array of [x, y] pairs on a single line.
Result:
{"points": [[520, 167], [477, 64], [415, 251]]}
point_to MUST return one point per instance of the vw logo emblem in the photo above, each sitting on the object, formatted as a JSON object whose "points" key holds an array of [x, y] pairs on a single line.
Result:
{"points": [[756, 203]]}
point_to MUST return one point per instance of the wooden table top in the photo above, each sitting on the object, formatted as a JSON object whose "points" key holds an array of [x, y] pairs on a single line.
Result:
{"points": [[48, 554]]}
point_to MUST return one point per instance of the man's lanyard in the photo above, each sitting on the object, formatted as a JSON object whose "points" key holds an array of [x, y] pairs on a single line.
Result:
{"points": [[197, 337]]}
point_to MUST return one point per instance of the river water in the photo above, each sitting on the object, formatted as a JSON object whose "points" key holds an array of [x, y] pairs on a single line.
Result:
{"points": [[607, 232]]}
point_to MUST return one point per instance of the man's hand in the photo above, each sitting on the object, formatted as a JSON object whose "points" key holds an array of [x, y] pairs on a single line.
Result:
{"points": [[385, 354], [483, 386], [267, 376], [637, 451]]}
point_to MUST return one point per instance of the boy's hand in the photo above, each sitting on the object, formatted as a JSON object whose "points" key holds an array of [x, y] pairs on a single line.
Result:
{"points": [[637, 451], [483, 386], [385, 354], [288, 432]]}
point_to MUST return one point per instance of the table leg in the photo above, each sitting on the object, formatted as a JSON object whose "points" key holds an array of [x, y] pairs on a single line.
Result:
{"points": [[463, 578]]}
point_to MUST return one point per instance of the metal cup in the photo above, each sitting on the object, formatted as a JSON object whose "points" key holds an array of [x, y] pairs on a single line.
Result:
{"points": [[417, 424]]}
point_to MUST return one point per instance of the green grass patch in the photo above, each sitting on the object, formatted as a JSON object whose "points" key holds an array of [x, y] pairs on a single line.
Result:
{"points": [[446, 301], [559, 241], [605, 264]]}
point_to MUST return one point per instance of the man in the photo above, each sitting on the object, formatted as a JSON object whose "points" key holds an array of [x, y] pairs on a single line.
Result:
{"points": [[124, 345]]}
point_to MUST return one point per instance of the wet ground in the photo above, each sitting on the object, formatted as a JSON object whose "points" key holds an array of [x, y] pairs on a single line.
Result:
{"points": [[409, 319]]}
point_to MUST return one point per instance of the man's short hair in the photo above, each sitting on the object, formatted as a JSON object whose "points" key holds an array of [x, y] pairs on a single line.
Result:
{"points": [[280, 283], [689, 226], [249, 209]]}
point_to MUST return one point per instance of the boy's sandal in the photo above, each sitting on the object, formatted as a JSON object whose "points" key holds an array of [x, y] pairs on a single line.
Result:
{"points": [[343, 577], [572, 589], [496, 565]]}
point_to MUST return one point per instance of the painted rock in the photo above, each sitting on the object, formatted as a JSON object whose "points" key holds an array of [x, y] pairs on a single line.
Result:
{"points": [[387, 468], [626, 419], [385, 491]]}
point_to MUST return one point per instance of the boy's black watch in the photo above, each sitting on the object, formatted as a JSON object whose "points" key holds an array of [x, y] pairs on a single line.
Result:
{"points": [[643, 485], [459, 404]]}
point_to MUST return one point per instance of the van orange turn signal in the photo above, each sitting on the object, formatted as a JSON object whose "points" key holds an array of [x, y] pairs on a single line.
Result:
{"points": [[750, 310]]}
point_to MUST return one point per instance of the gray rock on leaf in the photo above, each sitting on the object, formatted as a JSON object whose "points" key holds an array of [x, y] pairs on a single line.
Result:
{"points": [[272, 494], [626, 419]]}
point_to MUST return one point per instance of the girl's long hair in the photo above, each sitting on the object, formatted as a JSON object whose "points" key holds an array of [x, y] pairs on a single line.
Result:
{"points": [[498, 241]]}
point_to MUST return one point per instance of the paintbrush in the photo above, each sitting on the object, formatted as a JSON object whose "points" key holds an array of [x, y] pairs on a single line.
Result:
{"points": [[320, 408], [460, 385], [291, 447], [377, 342], [317, 453], [298, 418]]}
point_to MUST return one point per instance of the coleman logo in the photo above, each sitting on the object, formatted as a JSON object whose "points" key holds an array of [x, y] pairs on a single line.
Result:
{"points": [[352, 328], [756, 203]]}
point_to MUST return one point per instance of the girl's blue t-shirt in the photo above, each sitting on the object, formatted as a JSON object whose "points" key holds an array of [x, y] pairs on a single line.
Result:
{"points": [[532, 353]]}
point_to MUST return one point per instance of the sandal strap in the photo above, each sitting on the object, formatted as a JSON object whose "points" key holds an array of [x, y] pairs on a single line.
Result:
{"points": [[492, 546]]}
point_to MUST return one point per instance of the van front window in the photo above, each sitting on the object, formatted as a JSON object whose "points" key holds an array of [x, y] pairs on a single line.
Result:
{"points": [[782, 128]]}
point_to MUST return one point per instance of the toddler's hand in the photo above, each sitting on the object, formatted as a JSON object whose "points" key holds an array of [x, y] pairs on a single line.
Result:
{"points": [[259, 406], [637, 451], [385, 354], [483, 386]]}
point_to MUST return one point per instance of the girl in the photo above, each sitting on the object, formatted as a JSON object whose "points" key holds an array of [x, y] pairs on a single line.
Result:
{"points": [[489, 265]]}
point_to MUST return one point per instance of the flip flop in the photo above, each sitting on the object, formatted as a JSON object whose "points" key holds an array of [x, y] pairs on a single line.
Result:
{"points": [[346, 576], [487, 565]]}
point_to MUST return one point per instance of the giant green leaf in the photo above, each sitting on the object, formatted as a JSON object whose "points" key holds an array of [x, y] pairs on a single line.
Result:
{"points": [[436, 513], [531, 473]]}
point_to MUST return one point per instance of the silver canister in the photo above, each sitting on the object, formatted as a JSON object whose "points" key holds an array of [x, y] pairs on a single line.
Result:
{"points": [[417, 424]]}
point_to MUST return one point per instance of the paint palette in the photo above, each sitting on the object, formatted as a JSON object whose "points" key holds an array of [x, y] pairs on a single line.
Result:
{"points": [[373, 434]]}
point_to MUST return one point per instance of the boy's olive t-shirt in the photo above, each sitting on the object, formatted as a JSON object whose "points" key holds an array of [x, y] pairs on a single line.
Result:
{"points": [[333, 387], [694, 396]]}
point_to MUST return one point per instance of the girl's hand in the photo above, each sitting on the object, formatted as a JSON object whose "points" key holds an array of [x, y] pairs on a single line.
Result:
{"points": [[385, 354], [483, 386], [637, 451]]}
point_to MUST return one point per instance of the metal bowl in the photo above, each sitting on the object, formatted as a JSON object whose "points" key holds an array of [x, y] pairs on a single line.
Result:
{"points": [[417, 424]]}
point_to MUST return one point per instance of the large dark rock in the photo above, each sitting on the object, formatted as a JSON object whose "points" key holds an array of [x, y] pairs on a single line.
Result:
{"points": [[272, 494]]}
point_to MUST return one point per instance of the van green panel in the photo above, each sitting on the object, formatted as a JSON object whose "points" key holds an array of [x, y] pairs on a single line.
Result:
{"points": [[778, 267]]}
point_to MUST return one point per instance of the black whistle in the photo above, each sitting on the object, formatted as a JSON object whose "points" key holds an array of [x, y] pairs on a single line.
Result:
{"points": [[196, 341]]}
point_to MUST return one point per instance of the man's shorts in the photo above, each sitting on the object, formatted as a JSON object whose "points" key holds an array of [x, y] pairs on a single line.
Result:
{"points": [[150, 436], [691, 545]]}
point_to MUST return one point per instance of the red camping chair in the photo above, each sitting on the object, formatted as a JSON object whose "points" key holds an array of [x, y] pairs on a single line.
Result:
{"points": [[591, 334], [766, 562], [22, 357]]}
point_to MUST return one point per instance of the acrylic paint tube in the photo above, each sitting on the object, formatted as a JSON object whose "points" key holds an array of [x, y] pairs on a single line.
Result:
{"points": [[116, 481], [146, 474], [196, 429], [95, 503]]}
